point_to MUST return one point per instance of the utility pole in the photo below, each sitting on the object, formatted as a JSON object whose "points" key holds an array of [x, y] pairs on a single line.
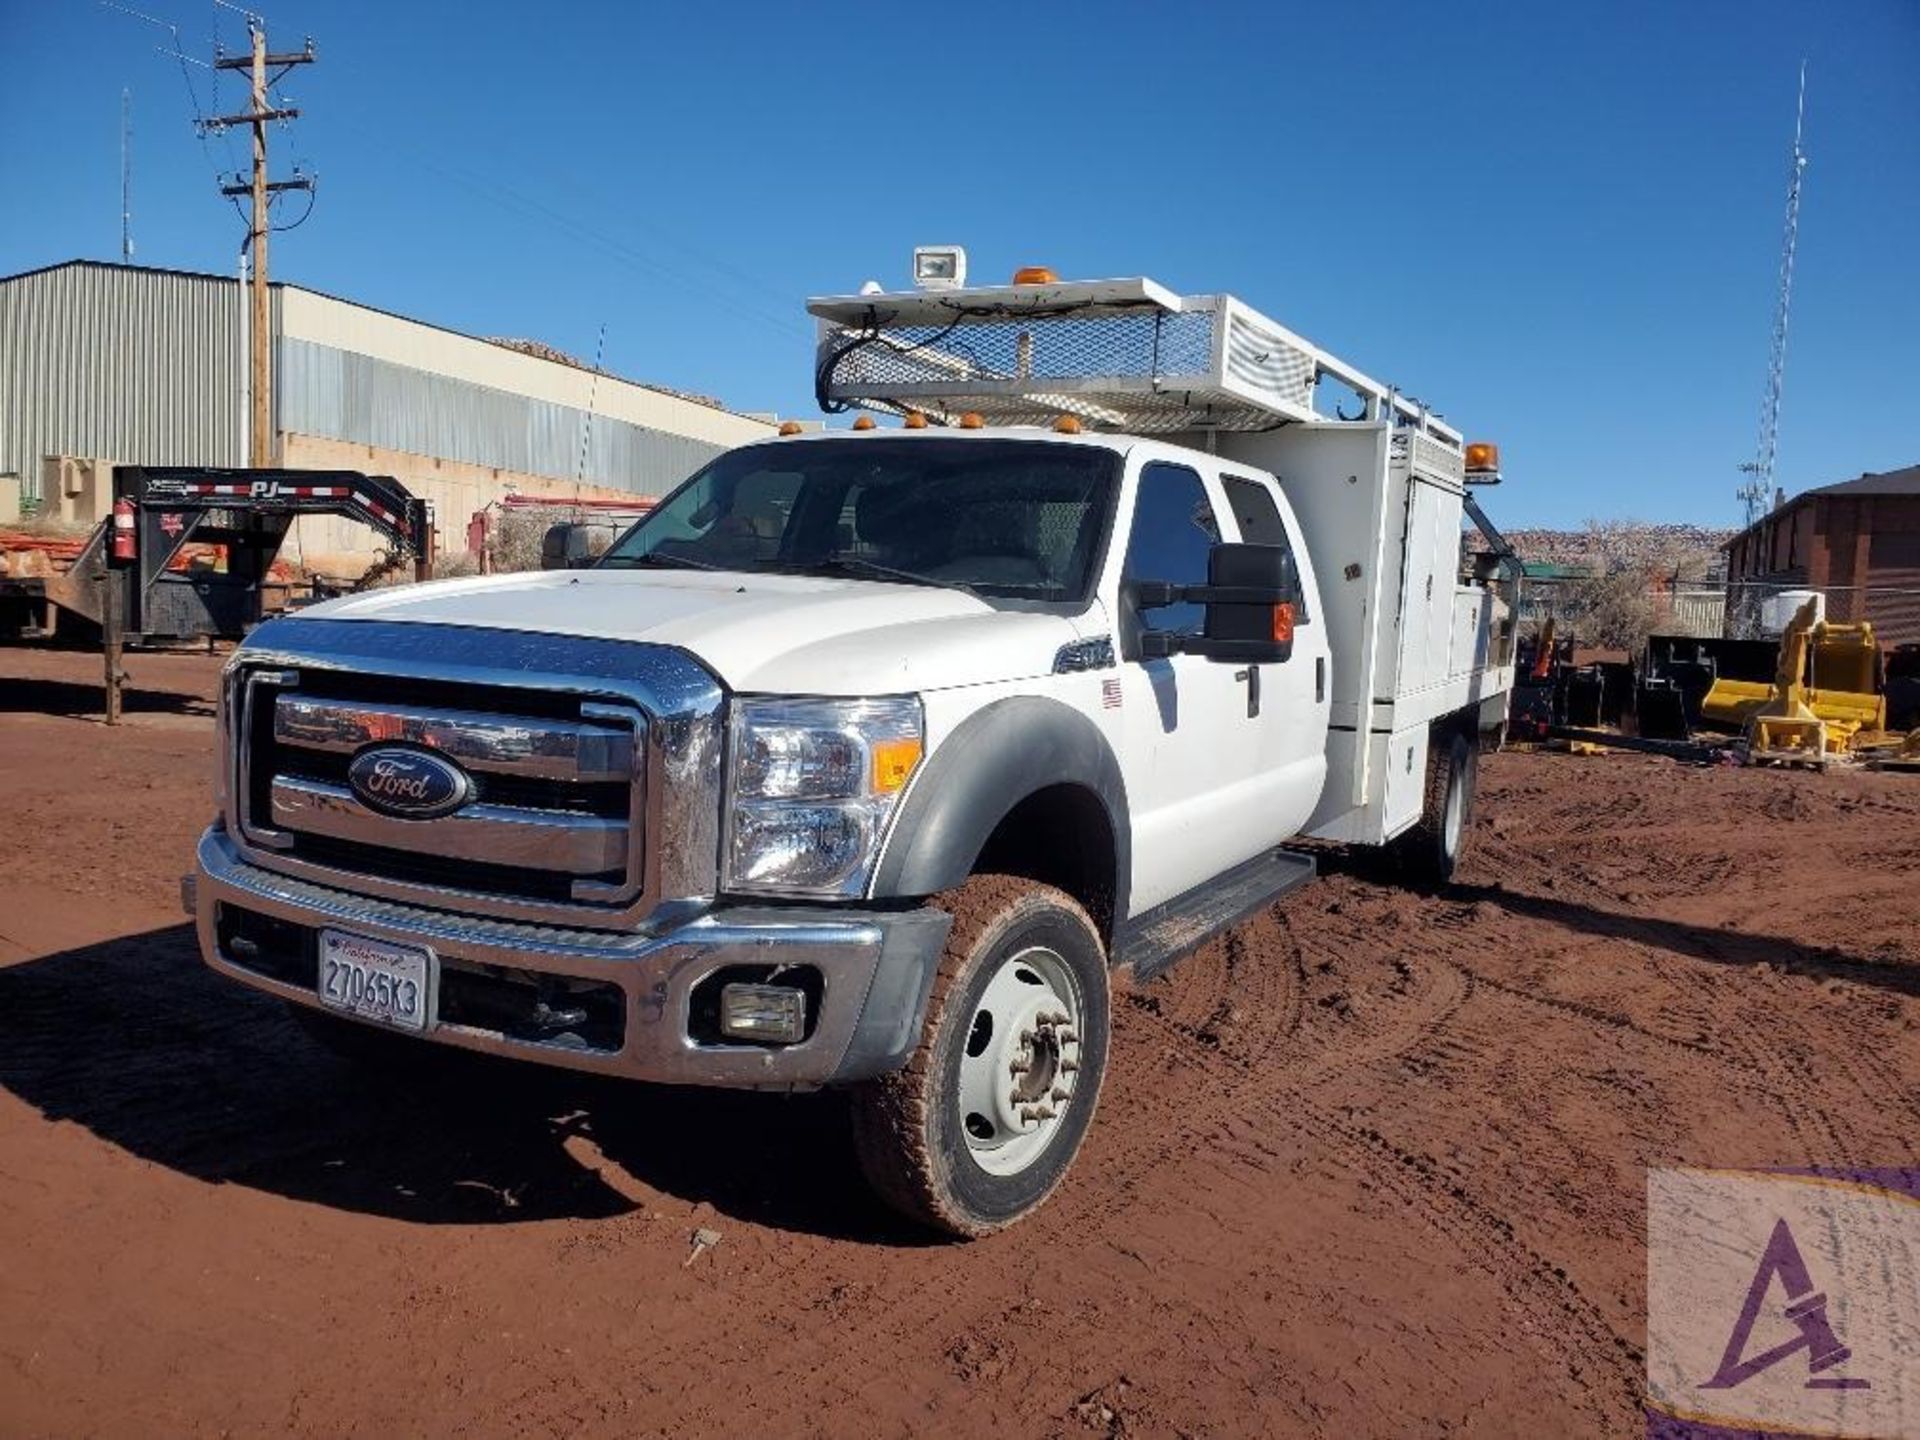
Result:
{"points": [[262, 190]]}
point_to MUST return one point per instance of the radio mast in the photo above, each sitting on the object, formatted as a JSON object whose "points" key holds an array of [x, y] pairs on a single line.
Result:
{"points": [[1757, 493]]}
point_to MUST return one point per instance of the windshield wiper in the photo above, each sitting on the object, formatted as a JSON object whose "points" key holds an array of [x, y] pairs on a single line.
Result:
{"points": [[655, 557], [865, 569]]}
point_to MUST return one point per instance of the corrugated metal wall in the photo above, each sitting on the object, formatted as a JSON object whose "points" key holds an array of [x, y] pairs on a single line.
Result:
{"points": [[342, 395], [139, 366], [144, 366]]}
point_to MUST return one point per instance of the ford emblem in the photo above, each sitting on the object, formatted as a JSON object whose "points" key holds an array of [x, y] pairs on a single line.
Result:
{"points": [[408, 783]]}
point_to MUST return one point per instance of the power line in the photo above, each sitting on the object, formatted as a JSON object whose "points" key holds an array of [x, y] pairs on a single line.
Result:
{"points": [[618, 249], [186, 78]]}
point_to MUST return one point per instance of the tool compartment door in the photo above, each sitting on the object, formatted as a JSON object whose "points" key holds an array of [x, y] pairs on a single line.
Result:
{"points": [[1432, 555]]}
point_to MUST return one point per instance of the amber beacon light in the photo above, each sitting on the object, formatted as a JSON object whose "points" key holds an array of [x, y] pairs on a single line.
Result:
{"points": [[1483, 458]]}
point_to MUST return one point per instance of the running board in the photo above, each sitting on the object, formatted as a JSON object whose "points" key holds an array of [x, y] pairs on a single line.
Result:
{"points": [[1152, 942]]}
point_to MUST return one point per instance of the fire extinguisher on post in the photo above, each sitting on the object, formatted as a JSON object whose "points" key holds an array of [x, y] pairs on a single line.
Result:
{"points": [[126, 541]]}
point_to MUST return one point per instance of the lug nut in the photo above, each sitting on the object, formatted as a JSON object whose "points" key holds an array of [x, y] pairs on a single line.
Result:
{"points": [[1067, 1067], [1045, 1112], [1019, 1067], [1058, 1094]]}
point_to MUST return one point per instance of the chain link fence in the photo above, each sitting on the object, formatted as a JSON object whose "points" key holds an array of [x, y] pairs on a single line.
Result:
{"points": [[1620, 611]]}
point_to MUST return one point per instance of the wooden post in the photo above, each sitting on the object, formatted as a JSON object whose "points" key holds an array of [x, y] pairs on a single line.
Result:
{"points": [[423, 557], [113, 581]]}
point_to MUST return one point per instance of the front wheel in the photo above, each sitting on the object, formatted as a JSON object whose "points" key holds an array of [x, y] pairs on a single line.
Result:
{"points": [[980, 1126]]}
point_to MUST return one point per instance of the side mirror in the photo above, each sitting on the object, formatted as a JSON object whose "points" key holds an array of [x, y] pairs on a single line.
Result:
{"points": [[1252, 597], [574, 545]]}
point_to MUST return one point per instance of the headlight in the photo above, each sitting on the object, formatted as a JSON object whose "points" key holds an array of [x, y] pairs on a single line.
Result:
{"points": [[811, 786]]}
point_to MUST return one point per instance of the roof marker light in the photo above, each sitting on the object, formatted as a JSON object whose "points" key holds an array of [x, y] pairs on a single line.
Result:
{"points": [[1035, 275], [915, 420], [1483, 457], [790, 427], [865, 422], [972, 421], [1069, 425]]}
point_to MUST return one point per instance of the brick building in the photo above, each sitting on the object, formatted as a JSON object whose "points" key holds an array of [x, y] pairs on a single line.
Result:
{"points": [[1858, 542]]}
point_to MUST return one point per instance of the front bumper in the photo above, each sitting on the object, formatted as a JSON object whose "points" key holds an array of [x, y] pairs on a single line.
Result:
{"points": [[875, 968]]}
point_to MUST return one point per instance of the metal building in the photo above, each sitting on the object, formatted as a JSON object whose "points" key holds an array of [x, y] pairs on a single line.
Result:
{"points": [[133, 364]]}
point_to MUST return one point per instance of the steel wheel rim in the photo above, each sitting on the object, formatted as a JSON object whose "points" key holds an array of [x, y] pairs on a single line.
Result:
{"points": [[1451, 831], [1019, 1061]]}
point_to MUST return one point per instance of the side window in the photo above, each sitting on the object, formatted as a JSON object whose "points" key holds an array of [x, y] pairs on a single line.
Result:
{"points": [[1173, 529], [1260, 523]]}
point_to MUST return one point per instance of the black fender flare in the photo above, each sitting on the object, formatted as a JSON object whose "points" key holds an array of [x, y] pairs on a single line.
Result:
{"points": [[997, 757]]}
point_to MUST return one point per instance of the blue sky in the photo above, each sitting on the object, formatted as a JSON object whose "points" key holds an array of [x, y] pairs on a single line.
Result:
{"points": [[1559, 223]]}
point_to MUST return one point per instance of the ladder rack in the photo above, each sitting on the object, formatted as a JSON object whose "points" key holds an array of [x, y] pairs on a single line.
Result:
{"points": [[1121, 354]]}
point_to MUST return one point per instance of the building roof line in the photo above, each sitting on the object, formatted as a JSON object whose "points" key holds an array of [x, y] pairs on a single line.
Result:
{"points": [[1900, 482], [662, 390]]}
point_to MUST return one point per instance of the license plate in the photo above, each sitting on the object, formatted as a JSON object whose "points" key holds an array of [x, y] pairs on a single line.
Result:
{"points": [[374, 980]]}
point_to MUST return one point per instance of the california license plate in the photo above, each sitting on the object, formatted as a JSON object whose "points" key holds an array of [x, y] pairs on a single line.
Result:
{"points": [[374, 980]]}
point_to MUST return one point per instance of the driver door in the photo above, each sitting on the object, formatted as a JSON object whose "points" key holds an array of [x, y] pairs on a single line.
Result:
{"points": [[1189, 748]]}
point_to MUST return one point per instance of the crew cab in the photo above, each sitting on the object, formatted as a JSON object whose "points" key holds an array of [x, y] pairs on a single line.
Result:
{"points": [[868, 755]]}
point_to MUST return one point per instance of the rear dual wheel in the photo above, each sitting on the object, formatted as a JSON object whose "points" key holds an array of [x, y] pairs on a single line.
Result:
{"points": [[1432, 850], [981, 1124]]}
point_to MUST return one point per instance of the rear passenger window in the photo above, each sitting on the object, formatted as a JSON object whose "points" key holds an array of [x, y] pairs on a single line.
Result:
{"points": [[1260, 523]]}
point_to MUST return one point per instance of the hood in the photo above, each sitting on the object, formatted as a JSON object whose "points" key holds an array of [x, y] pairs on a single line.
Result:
{"points": [[776, 634]]}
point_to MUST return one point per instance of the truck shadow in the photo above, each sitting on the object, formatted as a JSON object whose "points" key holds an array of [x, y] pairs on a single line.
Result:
{"points": [[63, 697], [136, 1041], [1708, 944]]}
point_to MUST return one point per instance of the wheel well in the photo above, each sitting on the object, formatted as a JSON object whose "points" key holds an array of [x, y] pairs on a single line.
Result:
{"points": [[1060, 836]]}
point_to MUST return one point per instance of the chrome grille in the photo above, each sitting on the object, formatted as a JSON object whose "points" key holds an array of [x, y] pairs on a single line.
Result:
{"points": [[540, 722], [558, 810]]}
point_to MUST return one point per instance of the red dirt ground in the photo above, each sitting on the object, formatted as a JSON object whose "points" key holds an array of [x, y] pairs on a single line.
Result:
{"points": [[1371, 1165]]}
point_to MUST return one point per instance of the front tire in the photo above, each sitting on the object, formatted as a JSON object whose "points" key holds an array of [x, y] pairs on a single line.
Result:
{"points": [[979, 1127]]}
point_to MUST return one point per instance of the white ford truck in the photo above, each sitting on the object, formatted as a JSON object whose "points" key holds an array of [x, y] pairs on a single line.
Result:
{"points": [[864, 758]]}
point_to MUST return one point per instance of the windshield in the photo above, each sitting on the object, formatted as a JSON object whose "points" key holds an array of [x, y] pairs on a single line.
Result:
{"points": [[1015, 518]]}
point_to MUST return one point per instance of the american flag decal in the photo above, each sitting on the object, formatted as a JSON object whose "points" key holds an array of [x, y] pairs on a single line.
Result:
{"points": [[1110, 694]]}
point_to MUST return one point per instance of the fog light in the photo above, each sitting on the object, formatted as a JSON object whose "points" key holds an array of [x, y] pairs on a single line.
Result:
{"points": [[763, 1012]]}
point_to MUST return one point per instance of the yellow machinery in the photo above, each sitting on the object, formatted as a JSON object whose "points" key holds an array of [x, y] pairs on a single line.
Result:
{"points": [[1795, 721], [1825, 670]]}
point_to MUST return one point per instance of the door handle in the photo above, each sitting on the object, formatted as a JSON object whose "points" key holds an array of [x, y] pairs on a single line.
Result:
{"points": [[1252, 676]]}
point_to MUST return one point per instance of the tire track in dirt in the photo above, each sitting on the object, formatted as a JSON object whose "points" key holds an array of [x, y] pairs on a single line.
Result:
{"points": [[1550, 1303], [1228, 1000]]}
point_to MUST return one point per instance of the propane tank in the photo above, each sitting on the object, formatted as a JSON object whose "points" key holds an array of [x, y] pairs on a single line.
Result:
{"points": [[125, 541]]}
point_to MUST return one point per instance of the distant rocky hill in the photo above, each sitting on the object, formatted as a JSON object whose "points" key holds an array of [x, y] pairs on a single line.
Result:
{"points": [[1609, 545]]}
